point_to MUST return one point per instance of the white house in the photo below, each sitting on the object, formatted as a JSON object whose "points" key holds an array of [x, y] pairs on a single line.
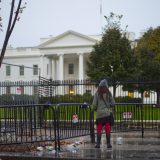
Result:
{"points": [[61, 58]]}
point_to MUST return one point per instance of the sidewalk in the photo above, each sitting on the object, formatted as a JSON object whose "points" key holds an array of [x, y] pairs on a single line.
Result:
{"points": [[133, 147]]}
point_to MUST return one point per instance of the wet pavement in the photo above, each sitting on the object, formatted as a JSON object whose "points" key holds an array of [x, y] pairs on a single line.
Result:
{"points": [[125, 146]]}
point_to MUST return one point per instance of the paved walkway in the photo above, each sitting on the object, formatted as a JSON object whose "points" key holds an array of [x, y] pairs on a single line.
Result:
{"points": [[133, 147]]}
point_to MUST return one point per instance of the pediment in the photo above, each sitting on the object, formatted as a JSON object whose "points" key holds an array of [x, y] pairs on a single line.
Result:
{"points": [[68, 39]]}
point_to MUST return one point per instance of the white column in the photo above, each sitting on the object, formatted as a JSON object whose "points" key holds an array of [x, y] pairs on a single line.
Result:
{"points": [[81, 68], [61, 66], [50, 68], [54, 69], [57, 69], [81, 77], [42, 65]]}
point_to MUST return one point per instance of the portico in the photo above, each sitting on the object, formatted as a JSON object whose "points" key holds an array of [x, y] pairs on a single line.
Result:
{"points": [[62, 57], [65, 56], [58, 65]]}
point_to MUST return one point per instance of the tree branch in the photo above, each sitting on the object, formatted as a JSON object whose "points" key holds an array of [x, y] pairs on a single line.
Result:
{"points": [[10, 28]]}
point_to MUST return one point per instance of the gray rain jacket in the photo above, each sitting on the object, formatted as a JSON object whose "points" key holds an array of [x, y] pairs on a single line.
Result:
{"points": [[102, 109]]}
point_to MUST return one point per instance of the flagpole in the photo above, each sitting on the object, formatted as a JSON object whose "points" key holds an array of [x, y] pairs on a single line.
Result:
{"points": [[100, 16]]}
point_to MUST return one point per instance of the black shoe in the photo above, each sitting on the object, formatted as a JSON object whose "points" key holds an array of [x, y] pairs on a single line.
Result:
{"points": [[109, 145], [97, 146], [98, 140], [108, 138]]}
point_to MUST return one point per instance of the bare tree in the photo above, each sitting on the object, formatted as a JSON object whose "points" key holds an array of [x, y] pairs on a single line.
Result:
{"points": [[16, 9], [0, 20]]}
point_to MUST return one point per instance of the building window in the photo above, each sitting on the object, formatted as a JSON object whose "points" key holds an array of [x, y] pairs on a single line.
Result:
{"points": [[21, 70], [35, 69], [8, 90], [130, 94], [71, 69], [88, 91], [146, 94], [8, 70], [35, 90], [22, 87], [71, 90]]}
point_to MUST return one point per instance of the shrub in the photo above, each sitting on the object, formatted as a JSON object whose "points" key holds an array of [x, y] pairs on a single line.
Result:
{"points": [[127, 99]]}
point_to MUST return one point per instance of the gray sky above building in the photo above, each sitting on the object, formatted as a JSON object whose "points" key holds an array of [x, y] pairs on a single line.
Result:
{"points": [[43, 18]]}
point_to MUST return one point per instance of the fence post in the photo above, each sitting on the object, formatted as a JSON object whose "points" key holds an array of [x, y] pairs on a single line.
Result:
{"points": [[141, 106], [57, 126], [92, 126]]}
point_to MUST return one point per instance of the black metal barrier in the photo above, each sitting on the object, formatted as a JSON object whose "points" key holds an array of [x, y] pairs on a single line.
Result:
{"points": [[22, 124], [47, 122], [136, 117], [74, 120], [26, 124]]}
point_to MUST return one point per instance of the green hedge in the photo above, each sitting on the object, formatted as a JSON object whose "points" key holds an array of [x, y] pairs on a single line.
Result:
{"points": [[127, 99], [84, 98], [68, 99]]}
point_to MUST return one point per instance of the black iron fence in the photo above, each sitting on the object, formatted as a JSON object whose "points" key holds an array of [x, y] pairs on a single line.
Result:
{"points": [[20, 92], [41, 123], [124, 91], [136, 117], [48, 110], [21, 124], [74, 120], [24, 124], [75, 91]]}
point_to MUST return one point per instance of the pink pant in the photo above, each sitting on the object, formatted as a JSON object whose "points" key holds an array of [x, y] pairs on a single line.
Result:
{"points": [[100, 127]]}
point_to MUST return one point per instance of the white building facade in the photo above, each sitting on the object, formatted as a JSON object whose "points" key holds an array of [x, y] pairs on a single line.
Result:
{"points": [[62, 57]]}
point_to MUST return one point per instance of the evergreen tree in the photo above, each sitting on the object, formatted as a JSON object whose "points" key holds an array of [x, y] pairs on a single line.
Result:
{"points": [[113, 56], [148, 53]]}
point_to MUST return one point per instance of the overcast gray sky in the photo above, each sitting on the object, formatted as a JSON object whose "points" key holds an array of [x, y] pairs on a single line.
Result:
{"points": [[43, 18]]}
